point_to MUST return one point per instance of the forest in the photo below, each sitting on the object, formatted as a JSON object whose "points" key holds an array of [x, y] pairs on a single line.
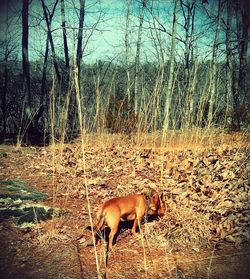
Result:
{"points": [[176, 66], [121, 116]]}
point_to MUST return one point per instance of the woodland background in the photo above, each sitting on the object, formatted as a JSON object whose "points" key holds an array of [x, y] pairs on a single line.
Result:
{"points": [[176, 65], [130, 95]]}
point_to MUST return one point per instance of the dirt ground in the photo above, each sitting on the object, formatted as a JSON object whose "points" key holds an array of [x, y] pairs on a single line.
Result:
{"points": [[20, 258], [50, 249]]}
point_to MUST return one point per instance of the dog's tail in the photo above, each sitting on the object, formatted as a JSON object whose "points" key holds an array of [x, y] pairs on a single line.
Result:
{"points": [[98, 225]]}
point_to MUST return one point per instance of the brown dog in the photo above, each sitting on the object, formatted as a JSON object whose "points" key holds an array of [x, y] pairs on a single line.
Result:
{"points": [[128, 208]]}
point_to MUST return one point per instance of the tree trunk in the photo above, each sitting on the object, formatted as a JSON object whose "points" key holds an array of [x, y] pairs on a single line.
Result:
{"points": [[137, 58], [48, 19], [4, 94], [43, 82], [96, 80], [127, 54], [243, 52], [25, 56], [170, 77], [44, 76], [213, 68], [154, 108], [240, 88], [229, 73], [79, 52], [65, 43], [188, 10], [6, 76]]}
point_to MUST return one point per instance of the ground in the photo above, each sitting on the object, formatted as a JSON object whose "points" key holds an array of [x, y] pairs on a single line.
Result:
{"points": [[205, 233]]}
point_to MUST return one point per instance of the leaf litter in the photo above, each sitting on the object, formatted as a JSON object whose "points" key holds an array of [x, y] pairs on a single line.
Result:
{"points": [[207, 191]]}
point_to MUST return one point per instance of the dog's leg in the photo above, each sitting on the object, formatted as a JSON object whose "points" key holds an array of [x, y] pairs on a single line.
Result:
{"points": [[97, 236], [98, 228], [139, 216], [113, 222], [135, 225], [112, 234]]}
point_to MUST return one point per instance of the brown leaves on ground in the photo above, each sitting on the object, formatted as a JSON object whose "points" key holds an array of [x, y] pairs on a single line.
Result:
{"points": [[213, 187], [207, 190]]}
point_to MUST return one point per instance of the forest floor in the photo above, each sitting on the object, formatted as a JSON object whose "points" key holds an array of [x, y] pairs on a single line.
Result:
{"points": [[204, 234]]}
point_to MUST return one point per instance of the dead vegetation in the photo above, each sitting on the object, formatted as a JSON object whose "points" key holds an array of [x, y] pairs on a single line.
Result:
{"points": [[206, 187]]}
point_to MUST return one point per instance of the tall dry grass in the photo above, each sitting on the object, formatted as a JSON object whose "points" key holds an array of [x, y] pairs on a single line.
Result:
{"points": [[193, 225]]}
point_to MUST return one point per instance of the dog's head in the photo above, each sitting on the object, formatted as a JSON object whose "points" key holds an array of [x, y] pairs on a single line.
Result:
{"points": [[156, 204]]}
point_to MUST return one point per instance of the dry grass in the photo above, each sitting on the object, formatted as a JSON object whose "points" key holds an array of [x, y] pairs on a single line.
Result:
{"points": [[118, 164], [49, 232], [196, 139], [180, 228]]}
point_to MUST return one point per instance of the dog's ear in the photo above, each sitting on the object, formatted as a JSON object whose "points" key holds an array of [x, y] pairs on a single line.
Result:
{"points": [[153, 193], [161, 197]]}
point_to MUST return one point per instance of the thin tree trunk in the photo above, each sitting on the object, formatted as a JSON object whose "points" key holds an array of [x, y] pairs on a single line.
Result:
{"points": [[213, 68], [229, 74], [25, 55], [79, 52], [240, 97], [171, 76], [65, 43], [127, 53], [6, 76], [235, 68], [96, 79], [137, 58], [5, 88], [154, 107], [243, 52], [44, 75], [190, 99], [188, 10], [48, 19], [44, 81]]}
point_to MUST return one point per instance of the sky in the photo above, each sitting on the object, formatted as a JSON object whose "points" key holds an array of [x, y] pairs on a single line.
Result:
{"points": [[107, 40]]}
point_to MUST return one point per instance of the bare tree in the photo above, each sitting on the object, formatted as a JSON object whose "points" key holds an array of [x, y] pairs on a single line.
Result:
{"points": [[213, 74], [171, 74], [44, 81], [5, 47], [25, 56], [79, 52], [188, 11], [137, 57], [154, 107], [245, 23], [65, 42], [96, 79], [229, 73], [240, 84], [48, 18], [127, 52]]}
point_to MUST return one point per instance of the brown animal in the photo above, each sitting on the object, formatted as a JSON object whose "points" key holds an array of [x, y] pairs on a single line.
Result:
{"points": [[128, 208]]}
